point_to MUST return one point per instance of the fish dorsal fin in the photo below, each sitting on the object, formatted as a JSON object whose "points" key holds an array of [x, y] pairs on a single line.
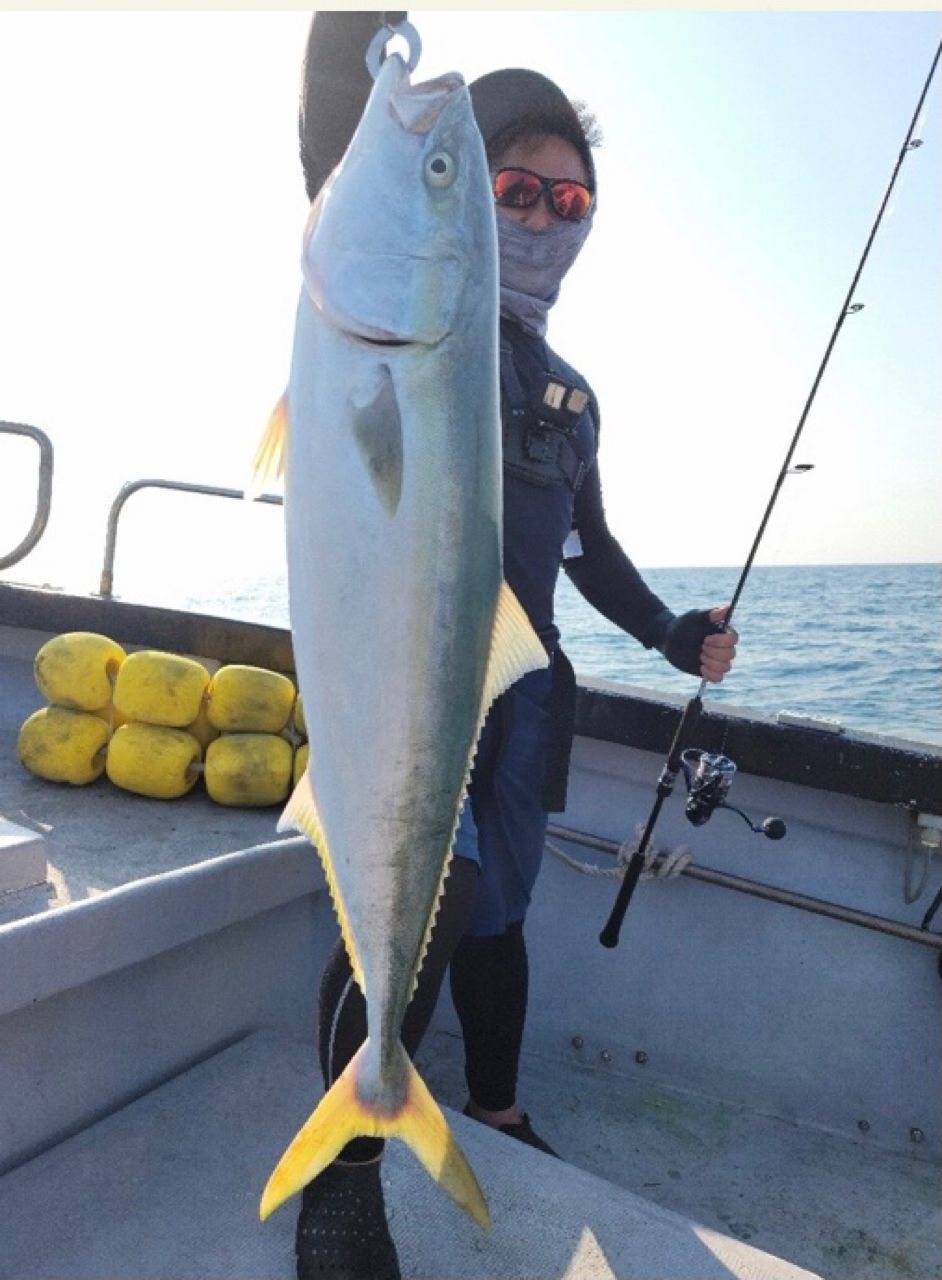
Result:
{"points": [[515, 648], [301, 815], [268, 465]]}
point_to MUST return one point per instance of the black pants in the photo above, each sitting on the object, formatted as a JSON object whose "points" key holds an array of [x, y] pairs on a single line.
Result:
{"points": [[489, 978]]}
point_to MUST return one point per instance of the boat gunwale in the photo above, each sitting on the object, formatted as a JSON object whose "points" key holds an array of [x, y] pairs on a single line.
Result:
{"points": [[853, 763]]}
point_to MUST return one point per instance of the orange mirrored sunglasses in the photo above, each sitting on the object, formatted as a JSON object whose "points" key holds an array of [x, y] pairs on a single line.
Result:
{"points": [[522, 188]]}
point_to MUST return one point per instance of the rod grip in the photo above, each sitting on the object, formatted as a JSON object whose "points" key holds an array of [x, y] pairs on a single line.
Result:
{"points": [[688, 721], [610, 934]]}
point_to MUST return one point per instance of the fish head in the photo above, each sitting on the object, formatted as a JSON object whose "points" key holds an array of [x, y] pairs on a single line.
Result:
{"points": [[401, 240]]}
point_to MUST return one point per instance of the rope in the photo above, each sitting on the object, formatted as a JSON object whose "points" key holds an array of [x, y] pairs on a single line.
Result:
{"points": [[659, 864]]}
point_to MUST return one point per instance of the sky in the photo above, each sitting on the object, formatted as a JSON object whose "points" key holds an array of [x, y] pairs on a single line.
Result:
{"points": [[151, 216]]}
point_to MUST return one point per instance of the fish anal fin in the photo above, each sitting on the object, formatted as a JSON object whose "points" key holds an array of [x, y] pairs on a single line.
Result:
{"points": [[301, 815], [268, 465], [342, 1114], [516, 649]]}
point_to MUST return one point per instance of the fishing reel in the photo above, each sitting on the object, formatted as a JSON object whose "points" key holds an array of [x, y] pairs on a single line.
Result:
{"points": [[709, 777]]}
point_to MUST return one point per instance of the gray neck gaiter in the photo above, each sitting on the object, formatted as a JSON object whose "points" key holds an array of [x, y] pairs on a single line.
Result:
{"points": [[532, 265]]}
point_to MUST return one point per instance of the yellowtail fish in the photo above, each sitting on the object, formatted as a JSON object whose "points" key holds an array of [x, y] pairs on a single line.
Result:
{"points": [[404, 631]]}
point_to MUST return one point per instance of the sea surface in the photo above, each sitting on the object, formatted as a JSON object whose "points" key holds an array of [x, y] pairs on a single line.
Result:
{"points": [[855, 643]]}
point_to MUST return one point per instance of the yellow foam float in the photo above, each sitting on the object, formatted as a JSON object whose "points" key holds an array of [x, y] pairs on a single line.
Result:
{"points": [[111, 716], [244, 699], [160, 688], [61, 745], [201, 729], [248, 770], [77, 670], [301, 757], [153, 760]]}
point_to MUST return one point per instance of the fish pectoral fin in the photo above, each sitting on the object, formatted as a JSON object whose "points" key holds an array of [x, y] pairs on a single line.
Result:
{"points": [[268, 465], [377, 429], [301, 815], [515, 647], [343, 1115]]}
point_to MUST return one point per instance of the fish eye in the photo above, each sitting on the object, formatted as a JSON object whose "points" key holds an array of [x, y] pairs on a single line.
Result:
{"points": [[440, 169]]}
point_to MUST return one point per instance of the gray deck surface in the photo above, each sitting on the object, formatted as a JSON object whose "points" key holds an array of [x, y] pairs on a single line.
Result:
{"points": [[167, 1189], [837, 1207]]}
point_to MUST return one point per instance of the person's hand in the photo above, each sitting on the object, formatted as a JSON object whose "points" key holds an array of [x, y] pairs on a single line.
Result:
{"points": [[335, 86], [718, 652], [693, 644]]}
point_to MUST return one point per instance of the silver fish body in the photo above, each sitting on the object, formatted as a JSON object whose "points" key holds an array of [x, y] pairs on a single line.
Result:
{"points": [[402, 629]]}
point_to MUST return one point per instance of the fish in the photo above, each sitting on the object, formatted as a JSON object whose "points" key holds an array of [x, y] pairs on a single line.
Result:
{"points": [[403, 628]]}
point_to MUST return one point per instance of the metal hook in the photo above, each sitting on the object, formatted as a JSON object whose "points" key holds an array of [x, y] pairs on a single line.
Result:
{"points": [[376, 53]]}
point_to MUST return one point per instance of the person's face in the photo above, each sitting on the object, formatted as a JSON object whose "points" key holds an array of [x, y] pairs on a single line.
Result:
{"points": [[550, 157]]}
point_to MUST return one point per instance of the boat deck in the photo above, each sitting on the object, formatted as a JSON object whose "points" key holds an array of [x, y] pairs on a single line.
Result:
{"points": [[172, 1200], [825, 1203], [165, 1186]]}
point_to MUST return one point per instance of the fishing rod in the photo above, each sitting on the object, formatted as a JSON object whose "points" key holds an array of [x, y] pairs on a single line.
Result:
{"points": [[709, 776]]}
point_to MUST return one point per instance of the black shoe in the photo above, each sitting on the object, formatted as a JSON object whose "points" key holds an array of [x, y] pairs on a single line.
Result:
{"points": [[342, 1230], [523, 1132]]}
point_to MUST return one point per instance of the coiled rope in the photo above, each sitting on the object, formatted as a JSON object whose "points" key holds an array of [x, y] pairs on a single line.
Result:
{"points": [[659, 864]]}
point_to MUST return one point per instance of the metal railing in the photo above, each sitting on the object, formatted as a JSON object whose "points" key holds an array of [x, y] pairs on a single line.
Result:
{"points": [[106, 583], [43, 492], [771, 893]]}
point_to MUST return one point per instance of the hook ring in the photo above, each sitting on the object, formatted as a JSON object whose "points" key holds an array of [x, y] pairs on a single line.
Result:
{"points": [[376, 53]]}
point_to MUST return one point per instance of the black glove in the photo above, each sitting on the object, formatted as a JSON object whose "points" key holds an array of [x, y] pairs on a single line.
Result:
{"points": [[335, 87], [684, 639]]}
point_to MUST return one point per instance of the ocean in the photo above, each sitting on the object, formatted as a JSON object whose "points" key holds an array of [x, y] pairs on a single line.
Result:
{"points": [[855, 643]]}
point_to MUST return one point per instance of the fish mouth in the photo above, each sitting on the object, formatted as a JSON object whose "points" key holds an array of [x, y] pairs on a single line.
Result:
{"points": [[383, 342], [389, 344]]}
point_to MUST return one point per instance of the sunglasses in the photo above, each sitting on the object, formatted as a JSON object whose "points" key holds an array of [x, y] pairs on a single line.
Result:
{"points": [[522, 188]]}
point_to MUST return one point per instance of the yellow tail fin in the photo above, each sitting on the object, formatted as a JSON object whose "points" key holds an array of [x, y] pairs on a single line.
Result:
{"points": [[341, 1116]]}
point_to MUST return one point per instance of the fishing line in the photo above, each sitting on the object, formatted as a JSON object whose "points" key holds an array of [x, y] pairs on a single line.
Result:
{"points": [[709, 776]]}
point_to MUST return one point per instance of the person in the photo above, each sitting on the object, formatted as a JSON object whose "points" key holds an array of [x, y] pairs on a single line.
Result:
{"points": [[544, 186]]}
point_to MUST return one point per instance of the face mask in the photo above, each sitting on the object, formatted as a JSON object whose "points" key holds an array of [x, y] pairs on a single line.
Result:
{"points": [[532, 266]]}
